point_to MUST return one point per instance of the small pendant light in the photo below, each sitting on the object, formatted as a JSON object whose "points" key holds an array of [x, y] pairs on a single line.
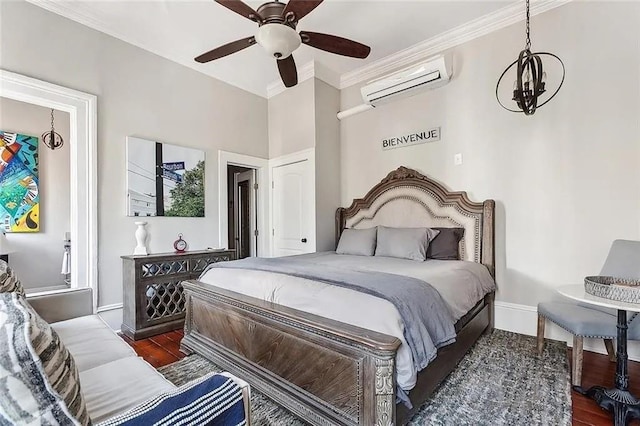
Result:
{"points": [[530, 82], [52, 139]]}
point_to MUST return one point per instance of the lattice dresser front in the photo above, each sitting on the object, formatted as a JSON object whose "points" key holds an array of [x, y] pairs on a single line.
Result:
{"points": [[153, 297]]}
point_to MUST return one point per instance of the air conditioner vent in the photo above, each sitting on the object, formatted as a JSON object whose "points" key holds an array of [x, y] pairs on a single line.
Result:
{"points": [[429, 75]]}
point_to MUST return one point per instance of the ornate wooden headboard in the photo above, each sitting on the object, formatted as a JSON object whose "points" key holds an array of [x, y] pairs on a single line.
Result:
{"points": [[406, 198]]}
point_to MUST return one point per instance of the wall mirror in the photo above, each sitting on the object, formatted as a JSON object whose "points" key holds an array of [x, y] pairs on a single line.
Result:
{"points": [[164, 179]]}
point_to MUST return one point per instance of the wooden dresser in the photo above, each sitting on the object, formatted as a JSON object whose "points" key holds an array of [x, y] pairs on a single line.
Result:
{"points": [[153, 297]]}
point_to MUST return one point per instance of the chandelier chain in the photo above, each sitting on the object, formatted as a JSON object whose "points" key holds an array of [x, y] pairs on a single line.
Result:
{"points": [[528, 45], [51, 138]]}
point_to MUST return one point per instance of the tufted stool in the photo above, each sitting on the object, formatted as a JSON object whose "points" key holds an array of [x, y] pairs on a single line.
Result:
{"points": [[582, 321]]}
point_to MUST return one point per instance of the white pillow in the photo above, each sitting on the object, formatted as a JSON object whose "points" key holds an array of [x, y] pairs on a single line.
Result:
{"points": [[360, 242], [404, 243]]}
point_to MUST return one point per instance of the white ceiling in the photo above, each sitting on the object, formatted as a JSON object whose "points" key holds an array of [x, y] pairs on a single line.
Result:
{"points": [[182, 29]]}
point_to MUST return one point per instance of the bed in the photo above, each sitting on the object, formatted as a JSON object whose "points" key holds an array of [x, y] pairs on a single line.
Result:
{"points": [[339, 370]]}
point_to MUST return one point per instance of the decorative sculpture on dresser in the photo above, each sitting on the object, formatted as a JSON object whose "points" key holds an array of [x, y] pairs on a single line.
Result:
{"points": [[141, 239]]}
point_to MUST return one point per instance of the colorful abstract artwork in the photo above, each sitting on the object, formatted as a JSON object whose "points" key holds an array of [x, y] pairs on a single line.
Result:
{"points": [[19, 197]]}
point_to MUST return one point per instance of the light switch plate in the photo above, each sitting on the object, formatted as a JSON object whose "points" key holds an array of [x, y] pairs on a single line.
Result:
{"points": [[457, 159]]}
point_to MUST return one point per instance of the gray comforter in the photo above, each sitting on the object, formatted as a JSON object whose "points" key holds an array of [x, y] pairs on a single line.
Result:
{"points": [[428, 323]]}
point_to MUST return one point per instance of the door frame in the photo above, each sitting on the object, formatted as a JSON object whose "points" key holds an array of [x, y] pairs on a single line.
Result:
{"points": [[296, 157], [83, 115], [252, 210], [263, 201]]}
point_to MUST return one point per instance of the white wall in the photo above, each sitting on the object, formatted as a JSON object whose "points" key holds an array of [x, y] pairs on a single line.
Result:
{"points": [[139, 94], [37, 257], [566, 180]]}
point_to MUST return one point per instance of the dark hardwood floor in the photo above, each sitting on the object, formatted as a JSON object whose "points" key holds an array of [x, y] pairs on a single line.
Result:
{"points": [[597, 370], [159, 350]]}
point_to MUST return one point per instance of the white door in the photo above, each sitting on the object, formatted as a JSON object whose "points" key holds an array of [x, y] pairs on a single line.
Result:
{"points": [[293, 210]]}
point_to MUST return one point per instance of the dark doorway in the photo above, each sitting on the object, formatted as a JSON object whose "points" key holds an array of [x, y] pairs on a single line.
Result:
{"points": [[244, 213], [242, 187]]}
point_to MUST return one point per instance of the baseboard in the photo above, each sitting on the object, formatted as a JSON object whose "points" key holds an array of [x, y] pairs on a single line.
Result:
{"points": [[112, 307], [523, 319]]}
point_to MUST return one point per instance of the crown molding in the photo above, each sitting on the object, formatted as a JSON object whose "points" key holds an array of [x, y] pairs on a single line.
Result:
{"points": [[309, 70], [471, 30], [74, 11], [476, 28], [305, 72]]}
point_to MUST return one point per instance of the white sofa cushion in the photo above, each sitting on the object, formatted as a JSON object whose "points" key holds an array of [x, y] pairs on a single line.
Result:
{"points": [[91, 342], [119, 385]]}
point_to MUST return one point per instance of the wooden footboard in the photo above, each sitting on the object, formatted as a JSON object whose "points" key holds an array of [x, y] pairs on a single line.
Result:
{"points": [[324, 371]]}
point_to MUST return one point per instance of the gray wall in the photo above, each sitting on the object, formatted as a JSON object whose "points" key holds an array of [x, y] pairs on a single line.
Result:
{"points": [[304, 117], [292, 120], [327, 105], [143, 95], [566, 180], [37, 257]]}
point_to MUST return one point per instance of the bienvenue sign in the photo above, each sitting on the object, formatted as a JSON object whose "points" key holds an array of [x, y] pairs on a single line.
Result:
{"points": [[431, 135]]}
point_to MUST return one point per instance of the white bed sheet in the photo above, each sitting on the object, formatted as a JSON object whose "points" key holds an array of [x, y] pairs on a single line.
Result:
{"points": [[461, 283]]}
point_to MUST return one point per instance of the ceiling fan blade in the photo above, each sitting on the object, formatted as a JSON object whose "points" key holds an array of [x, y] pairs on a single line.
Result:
{"points": [[288, 71], [227, 49], [240, 8], [335, 44], [300, 8]]}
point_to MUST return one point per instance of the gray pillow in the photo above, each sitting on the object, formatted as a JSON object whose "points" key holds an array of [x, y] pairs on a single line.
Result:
{"points": [[446, 245], [361, 242], [405, 243]]}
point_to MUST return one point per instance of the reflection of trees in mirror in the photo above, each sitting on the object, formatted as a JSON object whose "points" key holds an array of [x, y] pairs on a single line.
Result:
{"points": [[187, 198]]}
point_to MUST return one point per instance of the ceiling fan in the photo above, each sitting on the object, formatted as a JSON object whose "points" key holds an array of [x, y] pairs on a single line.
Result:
{"points": [[277, 35]]}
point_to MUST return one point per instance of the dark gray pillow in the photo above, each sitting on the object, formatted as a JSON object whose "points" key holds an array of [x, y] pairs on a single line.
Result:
{"points": [[445, 246], [405, 243], [360, 242]]}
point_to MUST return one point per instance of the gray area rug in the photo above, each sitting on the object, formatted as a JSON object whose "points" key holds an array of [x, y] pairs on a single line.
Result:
{"points": [[501, 381]]}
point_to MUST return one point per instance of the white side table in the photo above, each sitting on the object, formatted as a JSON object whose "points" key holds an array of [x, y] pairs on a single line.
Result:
{"points": [[624, 405]]}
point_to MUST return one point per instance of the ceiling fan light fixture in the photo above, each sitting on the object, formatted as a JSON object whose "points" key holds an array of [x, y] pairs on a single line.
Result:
{"points": [[278, 40]]}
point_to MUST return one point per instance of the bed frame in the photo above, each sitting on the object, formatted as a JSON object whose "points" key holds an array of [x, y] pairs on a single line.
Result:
{"points": [[325, 371]]}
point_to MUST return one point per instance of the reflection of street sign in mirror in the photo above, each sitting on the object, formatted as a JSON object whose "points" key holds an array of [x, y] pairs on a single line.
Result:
{"points": [[168, 174], [164, 179], [179, 165]]}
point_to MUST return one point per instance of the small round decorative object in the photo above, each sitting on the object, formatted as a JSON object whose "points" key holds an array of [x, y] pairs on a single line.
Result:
{"points": [[180, 245]]}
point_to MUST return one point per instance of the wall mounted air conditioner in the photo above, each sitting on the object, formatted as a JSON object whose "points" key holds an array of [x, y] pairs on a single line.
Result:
{"points": [[428, 75]]}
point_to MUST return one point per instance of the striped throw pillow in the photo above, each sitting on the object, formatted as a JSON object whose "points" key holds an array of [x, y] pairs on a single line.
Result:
{"points": [[212, 400], [8, 281], [39, 381]]}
